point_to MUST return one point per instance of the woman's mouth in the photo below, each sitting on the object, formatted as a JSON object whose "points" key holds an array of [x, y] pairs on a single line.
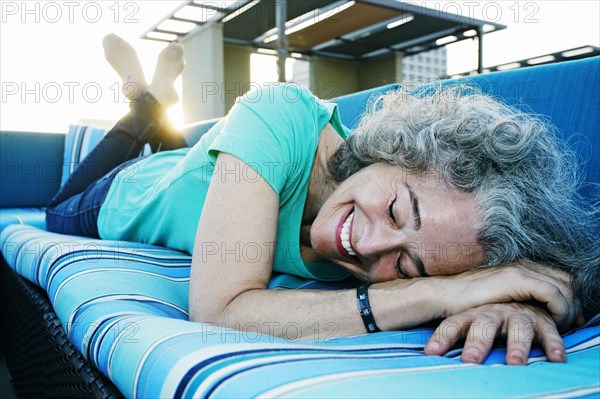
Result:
{"points": [[344, 235]]}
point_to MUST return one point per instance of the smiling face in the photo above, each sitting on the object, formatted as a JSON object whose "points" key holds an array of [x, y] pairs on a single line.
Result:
{"points": [[383, 223]]}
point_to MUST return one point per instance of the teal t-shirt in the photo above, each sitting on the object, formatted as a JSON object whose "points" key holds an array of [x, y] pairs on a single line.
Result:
{"points": [[274, 129]]}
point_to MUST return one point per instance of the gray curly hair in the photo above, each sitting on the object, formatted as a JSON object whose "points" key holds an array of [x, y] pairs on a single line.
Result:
{"points": [[524, 178]]}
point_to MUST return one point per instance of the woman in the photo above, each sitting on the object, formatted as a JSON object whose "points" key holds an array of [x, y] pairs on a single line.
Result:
{"points": [[426, 187]]}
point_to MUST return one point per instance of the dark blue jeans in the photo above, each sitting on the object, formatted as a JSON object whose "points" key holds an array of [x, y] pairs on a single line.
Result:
{"points": [[75, 208]]}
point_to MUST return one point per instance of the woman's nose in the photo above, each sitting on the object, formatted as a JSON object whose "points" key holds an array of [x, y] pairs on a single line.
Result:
{"points": [[376, 240]]}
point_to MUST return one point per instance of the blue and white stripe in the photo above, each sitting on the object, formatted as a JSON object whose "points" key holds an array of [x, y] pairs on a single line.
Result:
{"points": [[124, 306]]}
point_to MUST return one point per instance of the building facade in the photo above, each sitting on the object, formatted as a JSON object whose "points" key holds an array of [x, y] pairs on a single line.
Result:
{"points": [[425, 67]]}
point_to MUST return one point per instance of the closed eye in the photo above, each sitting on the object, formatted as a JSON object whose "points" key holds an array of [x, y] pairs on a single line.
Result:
{"points": [[391, 210], [398, 268]]}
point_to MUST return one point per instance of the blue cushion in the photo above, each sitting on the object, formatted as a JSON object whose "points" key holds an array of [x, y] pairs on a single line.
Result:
{"points": [[31, 168], [32, 216], [130, 321], [193, 132], [352, 106], [566, 93]]}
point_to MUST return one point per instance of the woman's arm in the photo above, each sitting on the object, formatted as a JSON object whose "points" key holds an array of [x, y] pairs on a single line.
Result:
{"points": [[232, 265], [228, 282]]}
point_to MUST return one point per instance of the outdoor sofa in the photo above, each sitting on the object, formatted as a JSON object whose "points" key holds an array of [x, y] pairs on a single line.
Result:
{"points": [[93, 318]]}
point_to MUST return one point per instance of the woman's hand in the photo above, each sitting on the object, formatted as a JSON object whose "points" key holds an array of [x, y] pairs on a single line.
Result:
{"points": [[519, 323], [522, 281]]}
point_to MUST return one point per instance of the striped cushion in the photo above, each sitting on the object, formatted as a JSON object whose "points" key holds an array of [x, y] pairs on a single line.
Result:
{"points": [[124, 306]]}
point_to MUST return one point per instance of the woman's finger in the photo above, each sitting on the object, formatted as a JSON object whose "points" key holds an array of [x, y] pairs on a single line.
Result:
{"points": [[548, 336], [448, 333], [520, 334], [480, 338]]}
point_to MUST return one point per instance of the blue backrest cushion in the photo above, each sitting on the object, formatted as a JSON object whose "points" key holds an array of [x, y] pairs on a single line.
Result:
{"points": [[568, 95], [352, 106], [194, 131], [31, 168]]}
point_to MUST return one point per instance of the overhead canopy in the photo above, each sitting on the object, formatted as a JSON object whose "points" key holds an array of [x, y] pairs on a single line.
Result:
{"points": [[344, 29]]}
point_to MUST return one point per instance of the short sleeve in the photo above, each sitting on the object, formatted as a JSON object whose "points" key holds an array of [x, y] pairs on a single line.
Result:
{"points": [[274, 129]]}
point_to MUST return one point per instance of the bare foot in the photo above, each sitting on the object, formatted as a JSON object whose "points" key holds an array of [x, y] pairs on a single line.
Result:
{"points": [[124, 60], [169, 66]]}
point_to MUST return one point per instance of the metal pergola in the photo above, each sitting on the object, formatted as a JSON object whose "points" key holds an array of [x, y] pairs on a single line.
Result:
{"points": [[343, 29]]}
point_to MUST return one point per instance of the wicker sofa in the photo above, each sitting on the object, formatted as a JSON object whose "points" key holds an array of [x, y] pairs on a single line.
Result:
{"points": [[92, 318]]}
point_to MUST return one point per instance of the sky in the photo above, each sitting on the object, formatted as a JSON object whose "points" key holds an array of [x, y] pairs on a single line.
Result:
{"points": [[53, 72]]}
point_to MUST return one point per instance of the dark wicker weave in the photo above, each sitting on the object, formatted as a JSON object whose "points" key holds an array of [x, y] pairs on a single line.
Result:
{"points": [[41, 360]]}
